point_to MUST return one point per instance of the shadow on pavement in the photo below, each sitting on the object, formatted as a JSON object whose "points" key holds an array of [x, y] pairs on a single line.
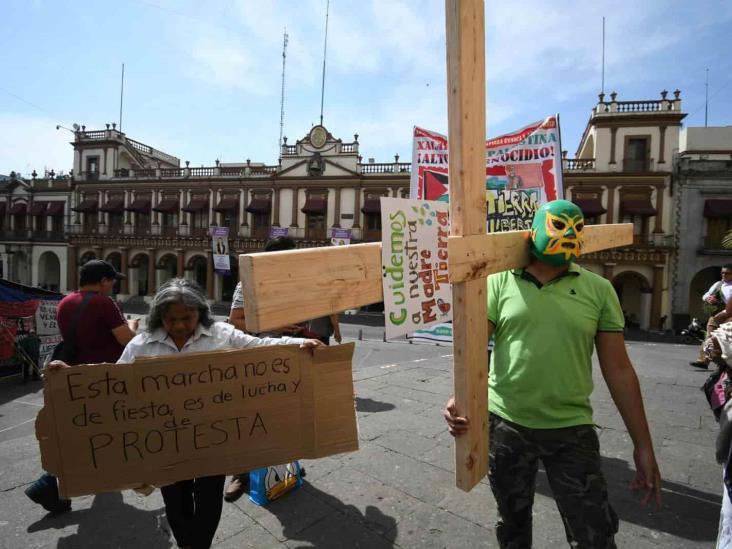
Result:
{"points": [[13, 388], [377, 531], [370, 405], [110, 522], [685, 512]]}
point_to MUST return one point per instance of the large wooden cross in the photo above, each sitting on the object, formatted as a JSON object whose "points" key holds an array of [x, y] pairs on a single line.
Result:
{"points": [[285, 287]]}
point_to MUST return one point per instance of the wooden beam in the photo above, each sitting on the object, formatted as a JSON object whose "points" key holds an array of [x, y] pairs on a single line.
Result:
{"points": [[465, 24], [281, 288], [477, 256]]}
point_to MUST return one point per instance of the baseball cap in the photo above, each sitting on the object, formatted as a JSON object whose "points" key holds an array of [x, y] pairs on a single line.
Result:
{"points": [[95, 270]]}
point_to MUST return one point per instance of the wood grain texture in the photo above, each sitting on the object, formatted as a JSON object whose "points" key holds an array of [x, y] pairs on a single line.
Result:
{"points": [[281, 288], [466, 137], [477, 256]]}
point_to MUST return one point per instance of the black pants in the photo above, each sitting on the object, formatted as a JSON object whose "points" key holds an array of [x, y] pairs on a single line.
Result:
{"points": [[571, 457], [193, 508]]}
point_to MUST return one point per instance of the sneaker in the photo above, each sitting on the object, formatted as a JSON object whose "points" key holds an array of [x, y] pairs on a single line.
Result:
{"points": [[236, 488], [44, 492], [699, 364]]}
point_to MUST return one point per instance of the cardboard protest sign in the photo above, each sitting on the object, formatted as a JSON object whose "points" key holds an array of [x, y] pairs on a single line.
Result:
{"points": [[157, 421], [414, 264]]}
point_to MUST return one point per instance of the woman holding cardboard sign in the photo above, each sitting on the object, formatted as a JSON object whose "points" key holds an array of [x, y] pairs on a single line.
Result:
{"points": [[180, 322]]}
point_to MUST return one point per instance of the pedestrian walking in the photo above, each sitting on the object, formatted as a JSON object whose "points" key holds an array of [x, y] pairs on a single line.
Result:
{"points": [[716, 297]]}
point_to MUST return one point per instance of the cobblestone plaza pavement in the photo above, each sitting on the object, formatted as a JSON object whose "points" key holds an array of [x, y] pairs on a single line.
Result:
{"points": [[398, 489]]}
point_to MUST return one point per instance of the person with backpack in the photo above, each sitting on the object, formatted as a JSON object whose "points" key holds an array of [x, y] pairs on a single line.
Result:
{"points": [[94, 330]]}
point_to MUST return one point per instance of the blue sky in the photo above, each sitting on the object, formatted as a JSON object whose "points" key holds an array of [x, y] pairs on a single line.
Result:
{"points": [[202, 79]]}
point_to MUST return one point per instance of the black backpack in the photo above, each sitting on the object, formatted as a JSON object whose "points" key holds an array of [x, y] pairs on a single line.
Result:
{"points": [[66, 350]]}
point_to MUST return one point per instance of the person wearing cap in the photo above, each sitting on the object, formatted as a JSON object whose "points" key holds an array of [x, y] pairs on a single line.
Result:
{"points": [[547, 320], [99, 335]]}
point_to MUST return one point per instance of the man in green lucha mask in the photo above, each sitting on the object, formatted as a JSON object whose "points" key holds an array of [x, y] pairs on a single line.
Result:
{"points": [[547, 318]]}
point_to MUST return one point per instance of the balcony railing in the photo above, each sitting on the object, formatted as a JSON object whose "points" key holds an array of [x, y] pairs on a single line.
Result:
{"points": [[641, 106], [30, 234], [392, 167], [579, 164], [169, 172], [93, 136]]}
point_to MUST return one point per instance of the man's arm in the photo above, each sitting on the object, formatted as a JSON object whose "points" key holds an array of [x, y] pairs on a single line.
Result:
{"points": [[457, 424], [336, 328], [623, 383], [709, 297], [236, 317], [725, 315], [125, 332]]}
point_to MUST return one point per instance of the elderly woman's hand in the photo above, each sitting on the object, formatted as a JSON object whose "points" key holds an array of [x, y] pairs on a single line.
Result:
{"points": [[311, 344], [56, 365]]}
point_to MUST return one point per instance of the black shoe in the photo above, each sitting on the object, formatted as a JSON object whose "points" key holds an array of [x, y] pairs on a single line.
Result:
{"points": [[700, 364], [44, 492]]}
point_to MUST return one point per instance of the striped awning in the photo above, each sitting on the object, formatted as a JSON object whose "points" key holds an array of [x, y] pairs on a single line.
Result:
{"points": [[638, 207], [167, 205], [139, 205], [718, 208], [315, 205], [372, 206], [114, 205], [38, 208], [87, 206], [260, 205], [227, 204], [55, 208], [19, 208], [197, 204], [591, 207]]}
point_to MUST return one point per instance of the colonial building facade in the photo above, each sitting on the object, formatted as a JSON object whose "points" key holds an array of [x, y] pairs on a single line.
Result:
{"points": [[139, 209], [622, 173], [33, 215], [703, 215]]}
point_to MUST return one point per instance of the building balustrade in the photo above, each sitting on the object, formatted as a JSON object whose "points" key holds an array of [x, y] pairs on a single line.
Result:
{"points": [[578, 164], [30, 234], [391, 167]]}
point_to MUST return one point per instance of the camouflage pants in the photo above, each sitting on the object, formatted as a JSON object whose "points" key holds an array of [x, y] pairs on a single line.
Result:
{"points": [[571, 457]]}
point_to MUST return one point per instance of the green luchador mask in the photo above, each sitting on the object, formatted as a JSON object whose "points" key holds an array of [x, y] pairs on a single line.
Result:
{"points": [[556, 233]]}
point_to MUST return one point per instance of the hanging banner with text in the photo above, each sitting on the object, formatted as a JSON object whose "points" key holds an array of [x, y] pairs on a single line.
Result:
{"points": [[523, 171], [220, 247], [46, 317], [414, 264], [108, 427], [340, 237]]}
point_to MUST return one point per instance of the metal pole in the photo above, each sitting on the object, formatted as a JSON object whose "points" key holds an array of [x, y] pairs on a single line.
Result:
{"points": [[706, 98], [325, 50], [602, 87], [121, 95]]}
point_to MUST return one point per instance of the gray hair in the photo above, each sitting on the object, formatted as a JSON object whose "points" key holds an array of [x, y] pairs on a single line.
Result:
{"points": [[178, 290]]}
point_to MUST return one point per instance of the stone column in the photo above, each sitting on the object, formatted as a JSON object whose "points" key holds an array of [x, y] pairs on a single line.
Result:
{"points": [[151, 282], [662, 146], [72, 272], [295, 196], [357, 208], [658, 226], [607, 270], [610, 216], [180, 267], [244, 204], [613, 140], [337, 212], [124, 265], [276, 208], [656, 297], [209, 274]]}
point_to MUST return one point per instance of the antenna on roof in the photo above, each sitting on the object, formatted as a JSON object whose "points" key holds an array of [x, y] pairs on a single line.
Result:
{"points": [[121, 95], [602, 86], [325, 50], [282, 98], [706, 98]]}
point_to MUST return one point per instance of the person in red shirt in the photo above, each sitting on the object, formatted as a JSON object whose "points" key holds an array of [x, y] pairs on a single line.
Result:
{"points": [[100, 335]]}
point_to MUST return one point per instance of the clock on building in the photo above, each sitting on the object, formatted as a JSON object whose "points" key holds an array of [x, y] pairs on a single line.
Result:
{"points": [[318, 137]]}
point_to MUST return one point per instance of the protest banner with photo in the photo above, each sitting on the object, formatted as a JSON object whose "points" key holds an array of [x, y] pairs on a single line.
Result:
{"points": [[220, 246], [340, 237], [523, 171], [48, 343], [414, 263], [108, 427]]}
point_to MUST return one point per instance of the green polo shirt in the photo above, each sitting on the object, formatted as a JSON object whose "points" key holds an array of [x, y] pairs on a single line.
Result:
{"points": [[541, 365]]}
